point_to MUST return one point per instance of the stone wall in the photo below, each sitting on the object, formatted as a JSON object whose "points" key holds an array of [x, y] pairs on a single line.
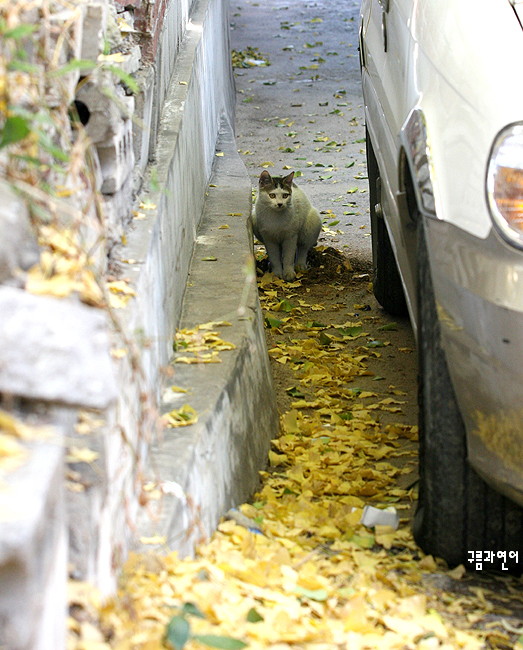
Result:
{"points": [[95, 248]]}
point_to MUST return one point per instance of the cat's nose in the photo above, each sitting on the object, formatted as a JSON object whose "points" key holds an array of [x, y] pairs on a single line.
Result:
{"points": [[280, 205]]}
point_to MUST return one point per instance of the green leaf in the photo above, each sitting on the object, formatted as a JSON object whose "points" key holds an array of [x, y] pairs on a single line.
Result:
{"points": [[47, 145], [388, 327], [314, 323], [355, 330], [20, 31], [124, 77], [319, 595], [272, 322], [375, 344], [23, 66], [178, 632], [285, 305], [325, 339], [75, 64], [193, 610], [15, 129], [253, 616], [223, 642], [363, 541]]}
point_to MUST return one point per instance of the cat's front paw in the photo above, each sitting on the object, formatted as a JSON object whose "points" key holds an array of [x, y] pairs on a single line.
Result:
{"points": [[289, 275]]}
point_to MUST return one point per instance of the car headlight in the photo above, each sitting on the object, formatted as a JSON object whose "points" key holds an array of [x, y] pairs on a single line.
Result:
{"points": [[505, 183]]}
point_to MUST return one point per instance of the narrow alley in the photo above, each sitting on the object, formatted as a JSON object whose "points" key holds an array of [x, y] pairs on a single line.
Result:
{"points": [[299, 566]]}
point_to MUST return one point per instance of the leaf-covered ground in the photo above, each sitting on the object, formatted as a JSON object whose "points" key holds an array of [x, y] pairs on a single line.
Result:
{"points": [[295, 568]]}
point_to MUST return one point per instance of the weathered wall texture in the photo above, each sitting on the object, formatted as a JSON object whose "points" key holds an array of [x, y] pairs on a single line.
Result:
{"points": [[97, 229]]}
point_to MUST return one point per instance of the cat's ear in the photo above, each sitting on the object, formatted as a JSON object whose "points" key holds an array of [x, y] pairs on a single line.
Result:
{"points": [[288, 179], [265, 179]]}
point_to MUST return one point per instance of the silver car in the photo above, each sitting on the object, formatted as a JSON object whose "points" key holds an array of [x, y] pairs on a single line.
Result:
{"points": [[443, 92]]}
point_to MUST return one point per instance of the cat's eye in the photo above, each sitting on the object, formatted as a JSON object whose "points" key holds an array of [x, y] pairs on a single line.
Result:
{"points": [[272, 195], [285, 196]]}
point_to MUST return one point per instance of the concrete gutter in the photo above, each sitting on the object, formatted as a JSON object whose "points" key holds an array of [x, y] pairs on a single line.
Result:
{"points": [[199, 471], [203, 469]]}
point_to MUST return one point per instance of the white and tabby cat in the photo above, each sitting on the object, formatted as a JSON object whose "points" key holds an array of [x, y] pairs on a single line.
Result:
{"points": [[286, 223]]}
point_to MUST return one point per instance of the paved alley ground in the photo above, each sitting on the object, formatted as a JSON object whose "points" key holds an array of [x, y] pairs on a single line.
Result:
{"points": [[295, 568], [304, 111]]}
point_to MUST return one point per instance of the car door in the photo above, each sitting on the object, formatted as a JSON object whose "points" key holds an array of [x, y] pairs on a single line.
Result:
{"points": [[386, 45]]}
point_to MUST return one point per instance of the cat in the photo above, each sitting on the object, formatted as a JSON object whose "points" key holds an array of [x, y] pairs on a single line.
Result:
{"points": [[286, 223]]}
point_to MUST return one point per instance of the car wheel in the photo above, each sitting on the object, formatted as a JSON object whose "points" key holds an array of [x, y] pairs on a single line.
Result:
{"points": [[457, 511], [386, 281]]}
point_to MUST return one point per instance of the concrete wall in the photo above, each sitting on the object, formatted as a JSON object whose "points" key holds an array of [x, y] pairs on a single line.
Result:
{"points": [[198, 97], [153, 153]]}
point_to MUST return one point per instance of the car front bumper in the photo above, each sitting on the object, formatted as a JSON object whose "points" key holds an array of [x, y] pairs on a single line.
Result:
{"points": [[478, 286]]}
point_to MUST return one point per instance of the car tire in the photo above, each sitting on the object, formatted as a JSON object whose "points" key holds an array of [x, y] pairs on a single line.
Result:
{"points": [[457, 512], [386, 280]]}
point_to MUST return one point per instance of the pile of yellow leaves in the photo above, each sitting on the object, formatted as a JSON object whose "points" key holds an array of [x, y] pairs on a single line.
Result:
{"points": [[299, 570], [201, 344], [65, 269]]}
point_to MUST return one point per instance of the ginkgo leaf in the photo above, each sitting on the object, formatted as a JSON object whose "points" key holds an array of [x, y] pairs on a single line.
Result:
{"points": [[10, 448], [81, 455], [181, 417], [314, 594], [178, 632], [223, 642], [296, 566], [253, 616]]}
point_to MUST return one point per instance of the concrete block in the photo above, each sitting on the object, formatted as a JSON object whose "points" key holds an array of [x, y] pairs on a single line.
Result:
{"points": [[87, 488], [18, 246], [118, 212], [144, 128], [113, 35], [33, 548], [63, 44], [93, 29], [54, 350], [116, 158], [106, 109], [131, 60]]}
